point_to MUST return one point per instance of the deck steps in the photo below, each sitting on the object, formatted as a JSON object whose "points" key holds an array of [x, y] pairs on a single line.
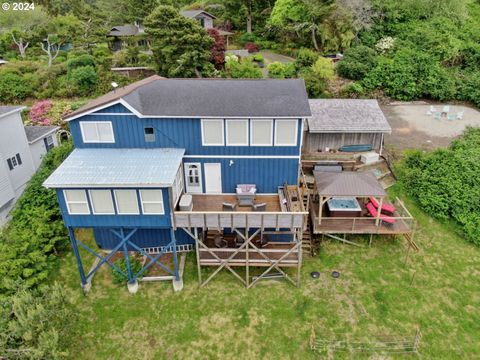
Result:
{"points": [[381, 170], [308, 247]]}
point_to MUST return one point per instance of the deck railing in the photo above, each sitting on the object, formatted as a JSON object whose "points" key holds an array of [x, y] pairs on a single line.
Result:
{"points": [[237, 219], [404, 222], [254, 257]]}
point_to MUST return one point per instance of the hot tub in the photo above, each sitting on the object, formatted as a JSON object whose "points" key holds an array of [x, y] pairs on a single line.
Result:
{"points": [[344, 207]]}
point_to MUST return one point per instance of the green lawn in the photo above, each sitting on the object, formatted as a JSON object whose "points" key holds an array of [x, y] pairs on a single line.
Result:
{"points": [[373, 297]]}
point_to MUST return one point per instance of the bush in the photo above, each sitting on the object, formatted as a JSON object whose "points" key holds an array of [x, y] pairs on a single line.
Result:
{"points": [[469, 88], [39, 112], [444, 182], [244, 69], [36, 324], [13, 87], [80, 61], [257, 57], [85, 78], [247, 38], [251, 47], [315, 86], [324, 68], [305, 58], [277, 70], [357, 62], [135, 267], [36, 232]]}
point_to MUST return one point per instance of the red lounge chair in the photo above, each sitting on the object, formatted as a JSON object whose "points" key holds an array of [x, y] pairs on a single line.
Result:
{"points": [[371, 209], [386, 207]]}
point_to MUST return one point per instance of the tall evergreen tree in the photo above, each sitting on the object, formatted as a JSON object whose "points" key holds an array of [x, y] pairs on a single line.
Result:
{"points": [[181, 47]]}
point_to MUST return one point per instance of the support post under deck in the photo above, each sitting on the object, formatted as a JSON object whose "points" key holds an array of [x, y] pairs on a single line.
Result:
{"points": [[83, 279]]}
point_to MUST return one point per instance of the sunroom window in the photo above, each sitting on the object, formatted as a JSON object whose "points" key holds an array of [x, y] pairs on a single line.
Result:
{"points": [[152, 202], [76, 201]]}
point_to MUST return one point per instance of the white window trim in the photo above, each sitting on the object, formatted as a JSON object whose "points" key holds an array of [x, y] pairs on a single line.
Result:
{"points": [[246, 131], [296, 132], [93, 207], [152, 202], [67, 202], [116, 202], [251, 132], [223, 131], [176, 190], [199, 188], [99, 141]]}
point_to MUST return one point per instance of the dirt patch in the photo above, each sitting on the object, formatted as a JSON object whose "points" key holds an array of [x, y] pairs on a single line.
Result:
{"points": [[413, 127]]}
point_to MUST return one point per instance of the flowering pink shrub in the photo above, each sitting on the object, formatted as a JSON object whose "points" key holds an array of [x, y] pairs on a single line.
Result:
{"points": [[39, 112]]}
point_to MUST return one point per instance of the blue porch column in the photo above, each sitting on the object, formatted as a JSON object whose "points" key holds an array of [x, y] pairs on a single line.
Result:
{"points": [[173, 241], [73, 241]]}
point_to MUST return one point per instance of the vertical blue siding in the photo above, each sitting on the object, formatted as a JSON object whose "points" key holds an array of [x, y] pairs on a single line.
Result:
{"points": [[176, 133], [143, 238], [267, 174], [117, 220]]}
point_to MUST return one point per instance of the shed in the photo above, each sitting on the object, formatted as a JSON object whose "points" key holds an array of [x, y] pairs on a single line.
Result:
{"points": [[338, 122], [41, 139]]}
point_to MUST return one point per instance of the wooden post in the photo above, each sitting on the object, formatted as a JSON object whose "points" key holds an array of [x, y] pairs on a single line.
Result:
{"points": [[379, 211], [320, 207], [197, 250], [299, 256]]}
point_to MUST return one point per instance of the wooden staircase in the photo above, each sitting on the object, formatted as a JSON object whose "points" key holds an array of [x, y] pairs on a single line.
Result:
{"points": [[381, 170], [308, 245]]}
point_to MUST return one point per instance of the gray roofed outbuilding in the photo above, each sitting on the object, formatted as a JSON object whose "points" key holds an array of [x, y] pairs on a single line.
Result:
{"points": [[35, 133], [221, 98], [194, 13], [347, 116], [348, 183], [124, 30], [117, 168]]}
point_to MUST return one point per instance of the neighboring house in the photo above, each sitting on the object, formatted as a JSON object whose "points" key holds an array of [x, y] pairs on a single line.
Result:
{"points": [[342, 122], [206, 21], [120, 35], [157, 165], [16, 164], [41, 139]]}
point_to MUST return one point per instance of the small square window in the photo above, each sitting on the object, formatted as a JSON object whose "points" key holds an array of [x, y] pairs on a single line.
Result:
{"points": [[149, 134]]}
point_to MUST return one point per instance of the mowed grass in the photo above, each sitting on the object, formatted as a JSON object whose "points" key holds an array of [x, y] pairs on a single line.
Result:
{"points": [[377, 295]]}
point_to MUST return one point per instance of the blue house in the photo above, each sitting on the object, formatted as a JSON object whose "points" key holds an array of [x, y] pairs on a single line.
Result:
{"points": [[164, 166]]}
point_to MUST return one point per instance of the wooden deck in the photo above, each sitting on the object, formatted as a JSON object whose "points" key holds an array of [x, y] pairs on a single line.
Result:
{"points": [[273, 251], [363, 224], [207, 212]]}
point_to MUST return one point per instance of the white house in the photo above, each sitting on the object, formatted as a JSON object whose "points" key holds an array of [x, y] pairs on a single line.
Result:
{"points": [[40, 140], [19, 157]]}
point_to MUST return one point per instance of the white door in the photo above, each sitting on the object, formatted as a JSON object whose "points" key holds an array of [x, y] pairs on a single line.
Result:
{"points": [[213, 178], [193, 177]]}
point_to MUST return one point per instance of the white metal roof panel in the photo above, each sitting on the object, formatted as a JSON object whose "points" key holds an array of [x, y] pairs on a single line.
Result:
{"points": [[117, 168]]}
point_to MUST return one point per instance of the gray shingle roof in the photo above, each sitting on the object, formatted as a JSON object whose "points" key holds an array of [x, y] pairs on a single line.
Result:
{"points": [[8, 109], [348, 183], [124, 30], [221, 98], [347, 115], [117, 168], [194, 13], [35, 133]]}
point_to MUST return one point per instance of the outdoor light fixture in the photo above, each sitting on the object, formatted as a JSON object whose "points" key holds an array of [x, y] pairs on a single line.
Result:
{"points": [[231, 163]]}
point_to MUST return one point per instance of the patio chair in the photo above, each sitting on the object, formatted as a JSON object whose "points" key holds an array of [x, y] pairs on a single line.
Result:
{"points": [[220, 242], [384, 218], [460, 115], [239, 241], [386, 207], [228, 206], [445, 110], [437, 115], [259, 207], [432, 110], [452, 117], [246, 194]]}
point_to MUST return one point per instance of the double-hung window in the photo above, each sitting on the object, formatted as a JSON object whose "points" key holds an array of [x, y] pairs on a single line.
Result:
{"points": [[127, 202], [261, 132], [97, 131], [237, 132], [76, 201], [286, 132], [152, 202], [212, 132], [102, 202]]}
